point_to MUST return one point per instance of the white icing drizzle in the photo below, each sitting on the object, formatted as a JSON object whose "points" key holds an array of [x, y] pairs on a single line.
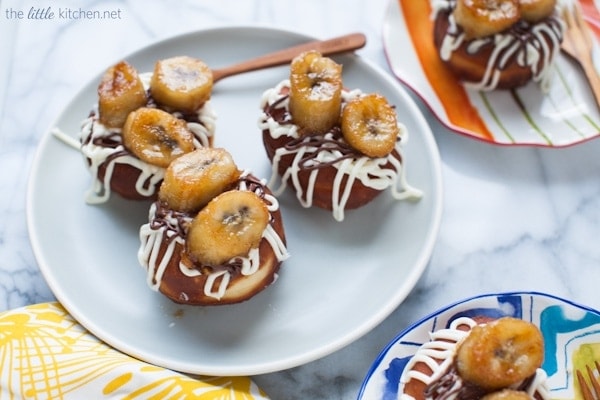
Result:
{"points": [[442, 346], [505, 47], [369, 171], [100, 190], [151, 240], [217, 281], [92, 129]]}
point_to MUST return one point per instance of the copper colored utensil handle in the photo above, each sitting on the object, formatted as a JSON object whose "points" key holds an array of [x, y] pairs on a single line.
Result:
{"points": [[329, 47]]}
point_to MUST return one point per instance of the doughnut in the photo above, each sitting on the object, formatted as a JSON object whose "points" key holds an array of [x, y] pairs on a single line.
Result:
{"points": [[435, 371], [114, 167], [172, 266], [323, 169], [523, 52]]}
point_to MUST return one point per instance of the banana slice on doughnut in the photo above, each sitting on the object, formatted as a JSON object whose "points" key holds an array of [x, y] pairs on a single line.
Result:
{"points": [[182, 83], [315, 92], [500, 353], [193, 179], [480, 18], [120, 91], [229, 226], [536, 10], [156, 137], [507, 394], [369, 124]]}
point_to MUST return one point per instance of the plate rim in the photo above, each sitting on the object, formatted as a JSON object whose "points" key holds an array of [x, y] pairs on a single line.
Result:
{"points": [[260, 367], [412, 326]]}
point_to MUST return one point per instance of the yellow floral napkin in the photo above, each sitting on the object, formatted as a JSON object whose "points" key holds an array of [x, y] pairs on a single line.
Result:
{"points": [[46, 354]]}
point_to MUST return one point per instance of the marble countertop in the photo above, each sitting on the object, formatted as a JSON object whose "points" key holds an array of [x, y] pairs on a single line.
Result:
{"points": [[515, 218]]}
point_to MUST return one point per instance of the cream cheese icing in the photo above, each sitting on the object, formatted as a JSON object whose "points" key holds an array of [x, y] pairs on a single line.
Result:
{"points": [[365, 169], [217, 281], [507, 47], [439, 353]]}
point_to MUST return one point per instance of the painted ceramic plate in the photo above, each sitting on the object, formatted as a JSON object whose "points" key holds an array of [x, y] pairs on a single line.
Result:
{"points": [[564, 115], [88, 254], [569, 329]]}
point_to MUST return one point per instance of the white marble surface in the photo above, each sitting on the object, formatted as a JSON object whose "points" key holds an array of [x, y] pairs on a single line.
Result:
{"points": [[514, 218]]}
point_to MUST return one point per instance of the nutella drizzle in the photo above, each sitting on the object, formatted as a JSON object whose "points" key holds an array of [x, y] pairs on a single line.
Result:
{"points": [[160, 220], [102, 146], [444, 382], [169, 227], [322, 143], [523, 42], [164, 217], [451, 386], [314, 152], [112, 140]]}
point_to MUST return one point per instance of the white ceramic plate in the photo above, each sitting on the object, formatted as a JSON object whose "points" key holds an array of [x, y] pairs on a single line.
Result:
{"points": [[367, 264], [565, 326], [564, 116]]}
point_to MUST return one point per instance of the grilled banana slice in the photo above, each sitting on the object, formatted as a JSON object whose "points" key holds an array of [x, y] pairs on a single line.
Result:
{"points": [[500, 353], [507, 394], [369, 124], [536, 10], [120, 91], [193, 179], [229, 226], [480, 18], [315, 92], [156, 137], [182, 83]]}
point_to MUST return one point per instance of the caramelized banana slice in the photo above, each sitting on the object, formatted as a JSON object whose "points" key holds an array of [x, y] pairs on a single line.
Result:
{"points": [[120, 91], [507, 394], [156, 137], [315, 92], [500, 353], [480, 18], [536, 10], [370, 125], [182, 83], [193, 179], [229, 226]]}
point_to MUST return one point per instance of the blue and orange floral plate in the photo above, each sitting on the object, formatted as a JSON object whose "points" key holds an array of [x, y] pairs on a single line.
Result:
{"points": [[571, 337]]}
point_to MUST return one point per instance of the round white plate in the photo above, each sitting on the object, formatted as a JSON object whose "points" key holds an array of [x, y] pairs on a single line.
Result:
{"points": [[565, 326], [342, 278], [567, 114]]}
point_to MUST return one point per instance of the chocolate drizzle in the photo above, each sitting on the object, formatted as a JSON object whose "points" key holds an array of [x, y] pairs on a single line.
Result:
{"points": [[332, 142], [450, 385], [113, 138], [254, 184], [322, 144], [176, 224], [163, 218], [521, 33], [186, 116]]}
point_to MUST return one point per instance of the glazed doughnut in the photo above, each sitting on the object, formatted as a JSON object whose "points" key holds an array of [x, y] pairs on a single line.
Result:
{"points": [[521, 53], [433, 373], [173, 266], [114, 167], [324, 170]]}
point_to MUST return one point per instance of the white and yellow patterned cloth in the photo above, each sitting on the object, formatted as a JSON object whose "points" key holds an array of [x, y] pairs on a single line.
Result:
{"points": [[46, 354]]}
